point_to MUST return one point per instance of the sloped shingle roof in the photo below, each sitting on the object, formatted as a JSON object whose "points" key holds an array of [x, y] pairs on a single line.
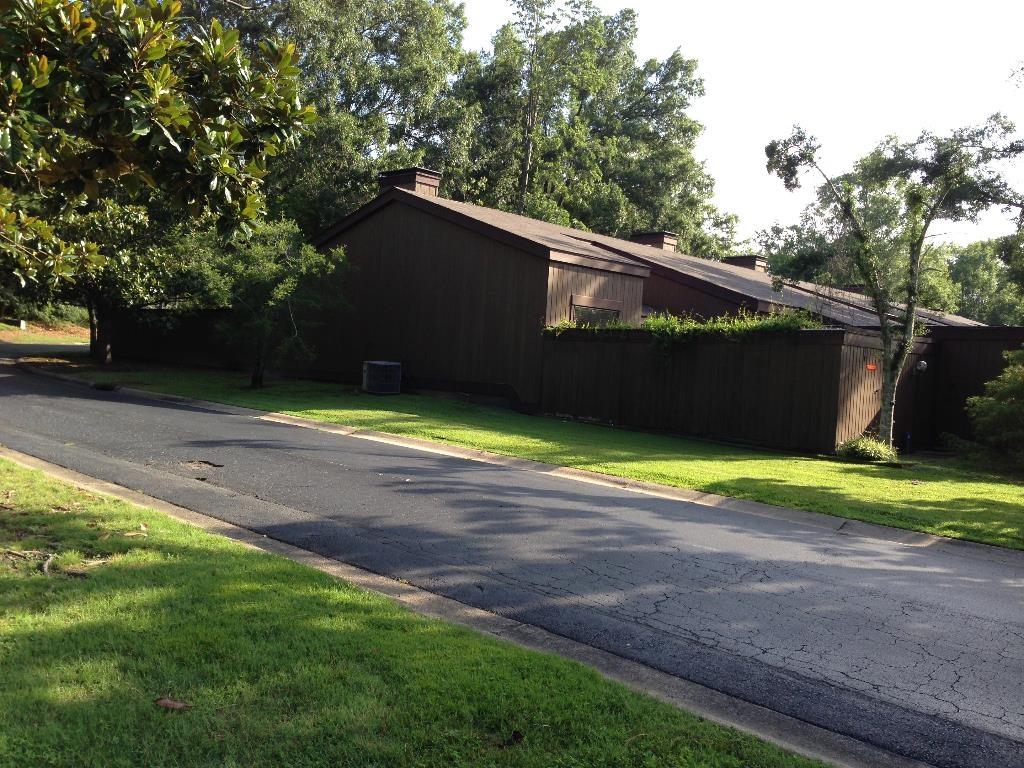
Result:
{"points": [[615, 254]]}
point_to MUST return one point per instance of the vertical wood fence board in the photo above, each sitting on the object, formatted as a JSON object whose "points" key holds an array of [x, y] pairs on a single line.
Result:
{"points": [[806, 391], [780, 391]]}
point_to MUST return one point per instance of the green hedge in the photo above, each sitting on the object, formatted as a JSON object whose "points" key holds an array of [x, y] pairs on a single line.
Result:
{"points": [[998, 415], [867, 448], [671, 330]]}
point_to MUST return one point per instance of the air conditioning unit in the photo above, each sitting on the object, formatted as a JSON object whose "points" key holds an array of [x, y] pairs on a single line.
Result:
{"points": [[382, 377]]}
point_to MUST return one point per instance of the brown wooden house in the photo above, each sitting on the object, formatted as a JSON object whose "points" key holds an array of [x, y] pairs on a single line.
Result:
{"points": [[459, 293]]}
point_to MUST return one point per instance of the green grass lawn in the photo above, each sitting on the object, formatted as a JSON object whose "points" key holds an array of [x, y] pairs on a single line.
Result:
{"points": [[36, 334], [948, 497], [279, 664]]}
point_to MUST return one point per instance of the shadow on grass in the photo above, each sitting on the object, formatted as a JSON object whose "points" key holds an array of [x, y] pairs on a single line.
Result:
{"points": [[275, 664], [281, 665], [972, 518]]}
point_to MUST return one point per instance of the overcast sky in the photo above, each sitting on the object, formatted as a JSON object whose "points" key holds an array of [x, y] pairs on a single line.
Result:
{"points": [[849, 73]]}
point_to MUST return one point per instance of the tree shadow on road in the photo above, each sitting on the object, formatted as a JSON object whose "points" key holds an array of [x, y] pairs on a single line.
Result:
{"points": [[280, 665]]}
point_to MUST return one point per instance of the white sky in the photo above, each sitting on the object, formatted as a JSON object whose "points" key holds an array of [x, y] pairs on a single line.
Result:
{"points": [[849, 73]]}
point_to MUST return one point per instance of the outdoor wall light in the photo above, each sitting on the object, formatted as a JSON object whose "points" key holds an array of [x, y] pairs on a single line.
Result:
{"points": [[922, 366]]}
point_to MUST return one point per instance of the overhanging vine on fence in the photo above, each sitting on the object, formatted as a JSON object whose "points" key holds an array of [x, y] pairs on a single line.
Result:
{"points": [[568, 325], [672, 331], [669, 332]]}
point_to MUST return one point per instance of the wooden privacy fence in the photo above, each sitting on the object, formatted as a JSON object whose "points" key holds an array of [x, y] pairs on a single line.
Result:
{"points": [[860, 391], [805, 390], [947, 366], [779, 390], [179, 338], [966, 358]]}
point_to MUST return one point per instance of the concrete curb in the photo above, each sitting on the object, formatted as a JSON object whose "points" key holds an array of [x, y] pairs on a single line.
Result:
{"points": [[829, 524], [784, 731]]}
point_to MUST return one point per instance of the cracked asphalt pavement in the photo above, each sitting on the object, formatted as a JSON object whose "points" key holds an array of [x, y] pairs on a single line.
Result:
{"points": [[917, 651]]}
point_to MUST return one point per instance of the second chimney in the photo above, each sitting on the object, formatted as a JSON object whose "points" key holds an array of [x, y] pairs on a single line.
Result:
{"points": [[756, 263], [422, 180], [666, 241]]}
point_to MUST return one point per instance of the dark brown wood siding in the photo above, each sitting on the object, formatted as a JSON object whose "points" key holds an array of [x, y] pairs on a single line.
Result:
{"points": [[778, 390], [860, 392], [808, 391], [565, 280], [965, 360], [456, 308], [929, 401]]}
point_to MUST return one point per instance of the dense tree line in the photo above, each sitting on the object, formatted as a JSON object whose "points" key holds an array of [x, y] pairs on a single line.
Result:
{"points": [[976, 280], [132, 113], [563, 123], [557, 120], [193, 124], [117, 115]]}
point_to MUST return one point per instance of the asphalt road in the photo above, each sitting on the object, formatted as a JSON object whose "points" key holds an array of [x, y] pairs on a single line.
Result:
{"points": [[917, 651]]}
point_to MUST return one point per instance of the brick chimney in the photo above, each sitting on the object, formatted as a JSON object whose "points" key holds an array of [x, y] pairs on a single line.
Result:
{"points": [[756, 263], [666, 241], [421, 180]]}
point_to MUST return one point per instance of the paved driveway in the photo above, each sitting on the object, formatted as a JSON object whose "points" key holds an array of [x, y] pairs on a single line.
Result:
{"points": [[917, 651]]}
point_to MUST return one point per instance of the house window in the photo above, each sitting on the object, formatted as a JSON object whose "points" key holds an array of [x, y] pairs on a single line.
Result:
{"points": [[591, 311], [594, 316]]}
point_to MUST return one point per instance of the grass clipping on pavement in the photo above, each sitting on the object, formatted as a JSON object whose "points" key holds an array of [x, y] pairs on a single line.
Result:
{"points": [[128, 638]]}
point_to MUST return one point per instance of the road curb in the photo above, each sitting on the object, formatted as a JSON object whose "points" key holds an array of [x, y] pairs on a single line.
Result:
{"points": [[784, 731], [841, 526]]}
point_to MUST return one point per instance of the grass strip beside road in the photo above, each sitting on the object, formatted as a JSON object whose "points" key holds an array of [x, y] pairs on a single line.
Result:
{"points": [[943, 496], [44, 334], [128, 638]]}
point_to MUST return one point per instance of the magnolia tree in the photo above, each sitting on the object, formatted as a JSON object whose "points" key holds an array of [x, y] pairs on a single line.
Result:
{"points": [[874, 223], [111, 99]]}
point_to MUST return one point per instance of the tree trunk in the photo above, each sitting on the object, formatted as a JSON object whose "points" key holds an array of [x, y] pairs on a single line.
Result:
{"points": [[530, 117], [896, 351], [256, 379], [529, 127], [100, 334], [887, 416], [92, 325]]}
